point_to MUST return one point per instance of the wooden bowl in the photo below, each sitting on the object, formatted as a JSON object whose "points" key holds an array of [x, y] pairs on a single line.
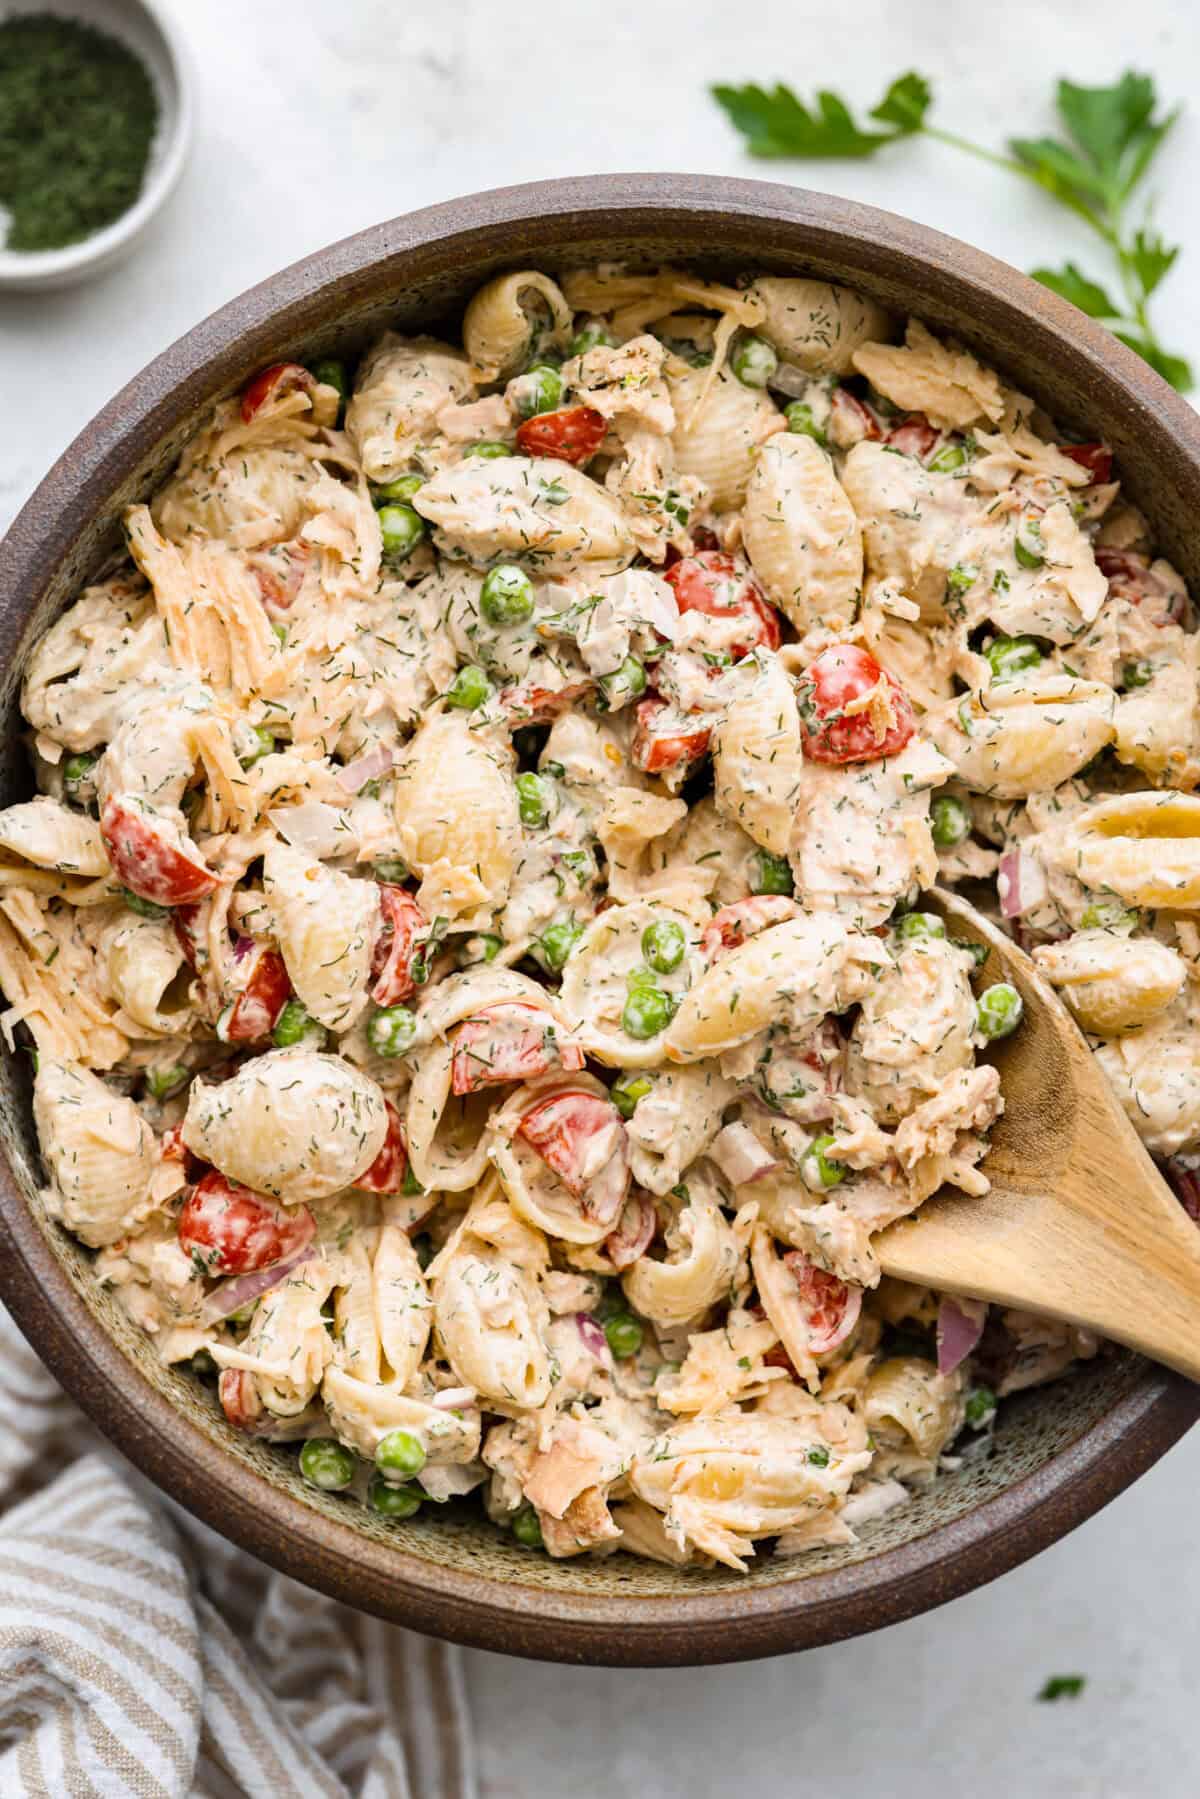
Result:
{"points": [[1062, 1451]]}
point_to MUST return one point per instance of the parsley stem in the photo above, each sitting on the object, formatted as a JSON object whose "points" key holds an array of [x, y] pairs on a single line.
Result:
{"points": [[995, 157]]}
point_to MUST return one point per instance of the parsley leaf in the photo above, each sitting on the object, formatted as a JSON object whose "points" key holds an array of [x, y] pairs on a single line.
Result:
{"points": [[775, 122], [1073, 285], [1175, 369], [1151, 259]]}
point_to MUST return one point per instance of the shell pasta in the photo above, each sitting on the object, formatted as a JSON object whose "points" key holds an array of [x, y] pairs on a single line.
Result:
{"points": [[467, 914]]}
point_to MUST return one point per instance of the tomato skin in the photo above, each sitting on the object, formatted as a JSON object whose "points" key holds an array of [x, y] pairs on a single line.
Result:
{"points": [[273, 383], [391, 963], [722, 586], [1096, 458], [913, 436], [852, 421], [1130, 577], [634, 1234], [187, 922], [840, 674], [732, 925], [386, 1173], [561, 1128], [172, 1148], [654, 751], [146, 860], [234, 1230], [572, 434], [831, 1306], [264, 990], [530, 703], [239, 1400], [512, 1040]]}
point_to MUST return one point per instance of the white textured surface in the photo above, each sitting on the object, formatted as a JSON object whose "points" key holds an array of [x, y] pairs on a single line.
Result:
{"points": [[315, 119]]}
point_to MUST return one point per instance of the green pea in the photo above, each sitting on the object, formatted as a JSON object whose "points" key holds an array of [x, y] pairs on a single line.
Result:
{"points": [[1007, 656], [648, 1010], [771, 874], [469, 690], [818, 1455], [981, 1406], [326, 1464], [628, 683], [590, 337], [1027, 544], [488, 448], [539, 389], [162, 1082], [801, 422], [624, 1335], [819, 1170], [391, 869], [264, 745], [998, 1011], [330, 371], [392, 1502], [296, 1025], [77, 770], [401, 1453], [402, 529], [143, 907], [911, 925], [391, 1029], [1108, 915], [753, 361], [978, 952], [526, 1529], [664, 945], [534, 799], [626, 1090], [507, 595], [397, 492], [1137, 674], [950, 821], [949, 458], [961, 579], [582, 865], [485, 946], [557, 941]]}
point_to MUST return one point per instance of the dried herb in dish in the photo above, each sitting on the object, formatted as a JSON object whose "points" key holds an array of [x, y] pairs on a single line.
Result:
{"points": [[78, 113]]}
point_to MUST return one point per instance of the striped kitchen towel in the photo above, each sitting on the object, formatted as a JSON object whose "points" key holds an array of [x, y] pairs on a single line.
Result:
{"points": [[143, 1656]]}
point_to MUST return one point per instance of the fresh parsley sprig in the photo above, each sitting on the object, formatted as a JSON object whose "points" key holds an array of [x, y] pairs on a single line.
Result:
{"points": [[1112, 137]]}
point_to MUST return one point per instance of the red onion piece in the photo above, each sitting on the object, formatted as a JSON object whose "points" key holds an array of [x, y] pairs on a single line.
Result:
{"points": [[242, 947], [240, 1289], [367, 767], [959, 1328], [740, 1156], [1021, 883], [594, 1340]]}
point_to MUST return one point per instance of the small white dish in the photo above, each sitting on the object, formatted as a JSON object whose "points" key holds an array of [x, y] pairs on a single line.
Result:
{"points": [[154, 39]]}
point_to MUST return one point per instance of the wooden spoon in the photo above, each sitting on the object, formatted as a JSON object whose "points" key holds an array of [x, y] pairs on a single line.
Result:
{"points": [[1079, 1224]]}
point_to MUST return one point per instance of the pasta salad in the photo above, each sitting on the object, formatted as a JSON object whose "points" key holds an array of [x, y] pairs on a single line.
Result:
{"points": [[469, 924]]}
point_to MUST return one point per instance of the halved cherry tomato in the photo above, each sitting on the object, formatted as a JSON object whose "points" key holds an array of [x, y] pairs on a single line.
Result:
{"points": [[581, 1137], [1130, 577], [151, 856], [1095, 458], [386, 1173], [259, 989], [233, 1230], [723, 586], [512, 1040], [530, 703], [831, 1306], [634, 1233], [272, 384], [840, 675], [572, 434], [851, 421], [732, 925], [392, 960], [658, 744], [239, 1399], [913, 436]]}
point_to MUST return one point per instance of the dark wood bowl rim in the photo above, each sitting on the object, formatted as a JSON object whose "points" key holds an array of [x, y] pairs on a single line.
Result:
{"points": [[681, 1629]]}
